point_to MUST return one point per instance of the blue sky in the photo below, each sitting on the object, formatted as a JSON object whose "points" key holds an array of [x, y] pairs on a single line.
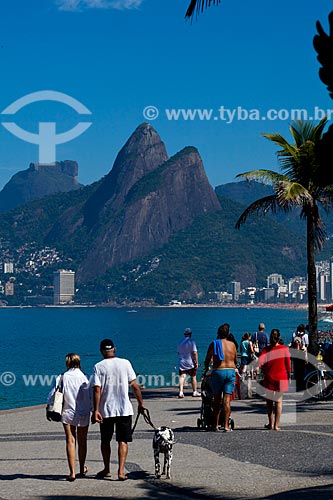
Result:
{"points": [[119, 56]]}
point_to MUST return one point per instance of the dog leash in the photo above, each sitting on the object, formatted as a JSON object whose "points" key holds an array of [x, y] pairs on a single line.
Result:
{"points": [[145, 413]]}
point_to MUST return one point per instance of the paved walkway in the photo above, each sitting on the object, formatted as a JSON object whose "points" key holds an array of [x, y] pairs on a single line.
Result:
{"points": [[250, 463]]}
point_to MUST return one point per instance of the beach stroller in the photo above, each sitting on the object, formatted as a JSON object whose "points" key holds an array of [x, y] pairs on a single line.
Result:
{"points": [[205, 421]]}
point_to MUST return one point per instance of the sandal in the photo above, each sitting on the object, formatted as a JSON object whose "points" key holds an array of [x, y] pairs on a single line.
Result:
{"points": [[268, 427]]}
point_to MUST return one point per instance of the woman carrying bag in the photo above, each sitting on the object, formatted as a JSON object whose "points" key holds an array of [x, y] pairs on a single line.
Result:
{"points": [[75, 414]]}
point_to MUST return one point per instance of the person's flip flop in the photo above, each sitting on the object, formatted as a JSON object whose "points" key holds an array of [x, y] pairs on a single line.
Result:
{"points": [[268, 427], [70, 479]]}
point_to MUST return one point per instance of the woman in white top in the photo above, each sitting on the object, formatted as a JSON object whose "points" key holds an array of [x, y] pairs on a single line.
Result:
{"points": [[76, 413]]}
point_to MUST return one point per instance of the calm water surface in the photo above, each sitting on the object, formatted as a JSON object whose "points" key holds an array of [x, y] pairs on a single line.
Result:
{"points": [[34, 341]]}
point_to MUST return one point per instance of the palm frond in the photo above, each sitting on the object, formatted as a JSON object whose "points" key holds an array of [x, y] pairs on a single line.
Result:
{"points": [[306, 131], [261, 207], [287, 149], [303, 166], [319, 129], [323, 44], [292, 194], [199, 6], [265, 176], [300, 161]]}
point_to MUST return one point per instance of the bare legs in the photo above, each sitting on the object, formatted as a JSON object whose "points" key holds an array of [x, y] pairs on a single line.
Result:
{"points": [[226, 410], [278, 412], [274, 410], [194, 383], [122, 455], [70, 431], [106, 454], [217, 410], [182, 379], [82, 433]]}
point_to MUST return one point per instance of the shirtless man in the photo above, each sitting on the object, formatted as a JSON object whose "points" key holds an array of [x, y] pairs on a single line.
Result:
{"points": [[224, 355]]}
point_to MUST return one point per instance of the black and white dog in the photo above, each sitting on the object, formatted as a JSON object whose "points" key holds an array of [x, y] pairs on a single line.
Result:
{"points": [[163, 441]]}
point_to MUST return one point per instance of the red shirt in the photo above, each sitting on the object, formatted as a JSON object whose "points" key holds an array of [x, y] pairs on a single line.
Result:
{"points": [[275, 363]]}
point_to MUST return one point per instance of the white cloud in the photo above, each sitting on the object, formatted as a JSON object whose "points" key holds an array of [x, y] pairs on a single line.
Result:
{"points": [[77, 5]]}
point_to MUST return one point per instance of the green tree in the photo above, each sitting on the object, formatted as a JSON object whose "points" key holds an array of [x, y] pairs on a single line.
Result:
{"points": [[305, 182]]}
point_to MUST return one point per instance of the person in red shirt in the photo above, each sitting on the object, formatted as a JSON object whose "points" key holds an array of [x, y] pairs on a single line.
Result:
{"points": [[275, 363]]}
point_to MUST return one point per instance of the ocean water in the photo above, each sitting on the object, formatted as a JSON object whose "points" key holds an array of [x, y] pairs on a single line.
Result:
{"points": [[35, 341]]}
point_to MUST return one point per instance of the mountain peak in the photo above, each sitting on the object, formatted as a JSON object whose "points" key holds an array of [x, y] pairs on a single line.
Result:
{"points": [[143, 152], [161, 203]]}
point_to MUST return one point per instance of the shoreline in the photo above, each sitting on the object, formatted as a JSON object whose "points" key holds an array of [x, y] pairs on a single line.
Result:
{"points": [[259, 305]]}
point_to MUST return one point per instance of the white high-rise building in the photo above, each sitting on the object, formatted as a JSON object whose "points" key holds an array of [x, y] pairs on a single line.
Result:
{"points": [[331, 280], [274, 279], [8, 267], [322, 279], [64, 286]]}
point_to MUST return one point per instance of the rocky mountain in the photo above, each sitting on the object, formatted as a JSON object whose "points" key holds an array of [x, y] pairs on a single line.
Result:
{"points": [[37, 181], [152, 229], [161, 203], [131, 212], [143, 152]]}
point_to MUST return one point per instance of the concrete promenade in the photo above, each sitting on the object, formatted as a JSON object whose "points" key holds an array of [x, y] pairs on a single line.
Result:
{"points": [[249, 463]]}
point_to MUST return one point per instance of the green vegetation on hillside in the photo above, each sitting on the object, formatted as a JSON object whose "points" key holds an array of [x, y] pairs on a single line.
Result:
{"points": [[207, 256]]}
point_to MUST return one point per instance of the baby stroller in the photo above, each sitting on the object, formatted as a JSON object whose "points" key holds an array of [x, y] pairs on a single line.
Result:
{"points": [[205, 421]]}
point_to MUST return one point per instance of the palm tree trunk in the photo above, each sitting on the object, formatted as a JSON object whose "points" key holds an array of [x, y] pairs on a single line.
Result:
{"points": [[312, 285]]}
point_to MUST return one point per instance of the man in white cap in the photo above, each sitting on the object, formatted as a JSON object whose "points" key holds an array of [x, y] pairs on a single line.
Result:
{"points": [[188, 363], [113, 409]]}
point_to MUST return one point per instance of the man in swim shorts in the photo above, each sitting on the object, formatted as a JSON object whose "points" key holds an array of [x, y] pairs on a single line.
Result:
{"points": [[224, 355]]}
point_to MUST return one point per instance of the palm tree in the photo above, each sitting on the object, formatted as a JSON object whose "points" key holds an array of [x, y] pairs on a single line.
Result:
{"points": [[305, 183], [199, 5]]}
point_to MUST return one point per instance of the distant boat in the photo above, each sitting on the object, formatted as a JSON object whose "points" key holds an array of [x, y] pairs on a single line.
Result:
{"points": [[132, 311], [328, 320]]}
